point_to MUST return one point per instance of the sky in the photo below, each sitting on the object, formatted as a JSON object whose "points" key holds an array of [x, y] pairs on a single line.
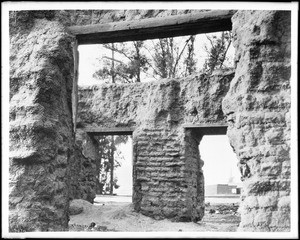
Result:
{"points": [[220, 162], [124, 172]]}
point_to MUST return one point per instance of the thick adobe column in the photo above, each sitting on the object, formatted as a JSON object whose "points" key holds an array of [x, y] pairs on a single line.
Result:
{"points": [[159, 178], [41, 137], [257, 106]]}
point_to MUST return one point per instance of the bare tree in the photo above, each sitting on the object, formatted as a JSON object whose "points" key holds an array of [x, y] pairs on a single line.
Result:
{"points": [[127, 69], [217, 51]]}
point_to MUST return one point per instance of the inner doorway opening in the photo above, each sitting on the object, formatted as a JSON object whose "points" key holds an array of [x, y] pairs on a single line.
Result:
{"points": [[222, 177], [114, 170]]}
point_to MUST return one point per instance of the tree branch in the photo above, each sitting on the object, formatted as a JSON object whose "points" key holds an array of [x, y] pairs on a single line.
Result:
{"points": [[178, 58], [118, 51], [225, 52]]}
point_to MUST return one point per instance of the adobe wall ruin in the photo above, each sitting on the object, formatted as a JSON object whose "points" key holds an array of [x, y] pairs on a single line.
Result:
{"points": [[257, 107], [167, 176], [42, 141], [83, 169]]}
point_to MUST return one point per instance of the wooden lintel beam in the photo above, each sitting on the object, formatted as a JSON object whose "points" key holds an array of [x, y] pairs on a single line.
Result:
{"points": [[208, 129], [108, 131], [152, 28], [204, 125]]}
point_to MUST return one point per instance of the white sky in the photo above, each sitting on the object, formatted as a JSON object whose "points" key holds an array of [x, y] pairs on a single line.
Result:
{"points": [[124, 173], [220, 162]]}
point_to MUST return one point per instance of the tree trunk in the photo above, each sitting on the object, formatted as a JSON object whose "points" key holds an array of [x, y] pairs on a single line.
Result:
{"points": [[112, 165], [113, 63], [138, 70]]}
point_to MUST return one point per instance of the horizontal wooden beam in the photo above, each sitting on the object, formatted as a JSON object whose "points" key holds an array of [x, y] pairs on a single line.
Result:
{"points": [[207, 129], [108, 131], [152, 28], [204, 125]]}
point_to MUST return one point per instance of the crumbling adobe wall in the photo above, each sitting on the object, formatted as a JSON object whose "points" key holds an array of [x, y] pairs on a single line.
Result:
{"points": [[41, 138], [194, 174], [84, 167], [168, 102], [25, 19], [258, 112], [168, 180], [42, 149]]}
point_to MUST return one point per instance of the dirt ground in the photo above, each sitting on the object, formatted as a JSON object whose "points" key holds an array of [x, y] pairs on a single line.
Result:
{"points": [[119, 216]]}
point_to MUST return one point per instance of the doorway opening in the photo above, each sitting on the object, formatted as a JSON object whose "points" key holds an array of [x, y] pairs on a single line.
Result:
{"points": [[215, 168], [222, 177], [114, 169], [222, 180]]}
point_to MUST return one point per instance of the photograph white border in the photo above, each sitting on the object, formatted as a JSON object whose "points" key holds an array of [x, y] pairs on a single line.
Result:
{"points": [[36, 5]]}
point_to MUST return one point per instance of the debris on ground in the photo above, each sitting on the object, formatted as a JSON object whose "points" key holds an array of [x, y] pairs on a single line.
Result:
{"points": [[223, 208], [121, 217], [86, 228]]}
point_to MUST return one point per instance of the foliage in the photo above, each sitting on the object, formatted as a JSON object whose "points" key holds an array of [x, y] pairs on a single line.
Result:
{"points": [[126, 70], [168, 55], [160, 58], [217, 51], [110, 159], [190, 61]]}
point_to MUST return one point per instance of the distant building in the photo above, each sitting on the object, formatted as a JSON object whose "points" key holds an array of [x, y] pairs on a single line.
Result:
{"points": [[222, 189]]}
